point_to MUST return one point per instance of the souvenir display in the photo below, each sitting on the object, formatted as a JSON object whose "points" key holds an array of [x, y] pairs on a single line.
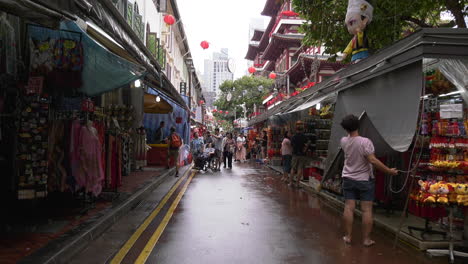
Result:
{"points": [[32, 148]]}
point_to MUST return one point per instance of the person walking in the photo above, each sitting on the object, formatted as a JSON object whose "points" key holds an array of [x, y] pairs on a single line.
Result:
{"points": [[286, 152], [264, 145], [300, 144], [175, 142], [208, 139], [240, 154], [159, 134], [228, 145], [197, 146], [218, 146], [358, 178], [235, 149]]}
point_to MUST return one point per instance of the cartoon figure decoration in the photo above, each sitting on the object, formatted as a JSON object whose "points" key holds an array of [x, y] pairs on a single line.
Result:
{"points": [[358, 16]]}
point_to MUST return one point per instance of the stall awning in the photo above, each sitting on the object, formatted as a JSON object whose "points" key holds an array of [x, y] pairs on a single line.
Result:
{"points": [[154, 107], [310, 103], [103, 71]]}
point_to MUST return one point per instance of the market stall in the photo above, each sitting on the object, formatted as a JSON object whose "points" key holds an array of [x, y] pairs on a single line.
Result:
{"points": [[159, 107], [412, 107]]}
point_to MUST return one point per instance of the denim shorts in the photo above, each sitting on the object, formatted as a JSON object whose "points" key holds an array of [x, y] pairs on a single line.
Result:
{"points": [[287, 159], [358, 190]]}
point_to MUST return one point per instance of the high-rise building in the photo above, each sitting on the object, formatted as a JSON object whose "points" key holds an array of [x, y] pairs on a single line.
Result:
{"points": [[217, 71]]}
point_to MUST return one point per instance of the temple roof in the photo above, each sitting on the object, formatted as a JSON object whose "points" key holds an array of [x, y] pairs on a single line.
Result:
{"points": [[257, 35], [271, 8], [298, 72], [252, 52], [279, 42], [266, 35]]}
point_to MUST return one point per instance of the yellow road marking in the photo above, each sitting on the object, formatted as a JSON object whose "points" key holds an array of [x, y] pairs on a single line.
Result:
{"points": [[129, 244], [157, 234]]}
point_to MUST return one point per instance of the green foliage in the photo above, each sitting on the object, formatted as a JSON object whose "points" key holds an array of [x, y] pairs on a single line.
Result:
{"points": [[244, 90], [391, 21]]}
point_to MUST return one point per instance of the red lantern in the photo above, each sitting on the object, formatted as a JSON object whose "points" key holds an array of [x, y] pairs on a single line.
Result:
{"points": [[273, 75], [169, 19], [202, 102], [214, 110], [204, 44], [252, 70], [227, 112], [289, 13], [220, 111]]}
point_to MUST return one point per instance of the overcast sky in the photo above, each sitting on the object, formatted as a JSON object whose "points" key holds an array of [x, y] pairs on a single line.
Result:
{"points": [[223, 23]]}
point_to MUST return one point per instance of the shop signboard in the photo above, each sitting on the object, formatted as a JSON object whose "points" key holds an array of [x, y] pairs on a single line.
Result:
{"points": [[449, 111]]}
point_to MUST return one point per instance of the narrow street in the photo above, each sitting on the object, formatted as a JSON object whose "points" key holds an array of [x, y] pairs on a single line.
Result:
{"points": [[241, 216]]}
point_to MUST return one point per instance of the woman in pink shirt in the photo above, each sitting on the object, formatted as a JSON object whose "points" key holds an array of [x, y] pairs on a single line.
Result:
{"points": [[358, 178], [286, 152]]}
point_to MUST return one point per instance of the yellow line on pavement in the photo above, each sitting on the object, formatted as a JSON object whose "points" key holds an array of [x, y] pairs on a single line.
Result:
{"points": [[157, 234], [129, 244]]}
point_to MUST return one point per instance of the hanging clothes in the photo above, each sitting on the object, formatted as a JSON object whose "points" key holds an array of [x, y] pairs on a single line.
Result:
{"points": [[91, 171]]}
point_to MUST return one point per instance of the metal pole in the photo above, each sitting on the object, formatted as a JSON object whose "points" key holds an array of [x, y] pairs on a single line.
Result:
{"points": [[287, 84]]}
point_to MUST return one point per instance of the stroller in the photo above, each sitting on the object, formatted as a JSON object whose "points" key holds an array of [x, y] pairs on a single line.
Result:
{"points": [[207, 160]]}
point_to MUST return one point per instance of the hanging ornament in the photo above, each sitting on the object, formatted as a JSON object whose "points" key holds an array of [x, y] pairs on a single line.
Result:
{"points": [[169, 20], [204, 44], [272, 75], [227, 112], [252, 70], [214, 111], [289, 13], [202, 102], [220, 111]]}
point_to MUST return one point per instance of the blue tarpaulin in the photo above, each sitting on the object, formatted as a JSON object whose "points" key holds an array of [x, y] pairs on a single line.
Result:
{"points": [[152, 121], [102, 70]]}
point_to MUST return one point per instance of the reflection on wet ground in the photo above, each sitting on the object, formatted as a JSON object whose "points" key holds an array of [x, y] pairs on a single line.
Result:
{"points": [[247, 215]]}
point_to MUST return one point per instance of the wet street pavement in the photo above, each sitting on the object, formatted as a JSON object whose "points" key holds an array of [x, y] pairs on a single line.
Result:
{"points": [[244, 215]]}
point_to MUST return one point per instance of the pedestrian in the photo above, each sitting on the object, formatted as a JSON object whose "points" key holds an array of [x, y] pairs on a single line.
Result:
{"points": [[251, 152], [159, 134], [229, 145], [300, 144], [264, 145], [358, 178], [197, 146], [240, 154], [218, 146], [208, 139], [175, 142], [286, 152], [235, 149]]}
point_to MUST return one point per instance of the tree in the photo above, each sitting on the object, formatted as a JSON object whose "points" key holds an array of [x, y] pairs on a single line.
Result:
{"points": [[392, 20], [248, 90]]}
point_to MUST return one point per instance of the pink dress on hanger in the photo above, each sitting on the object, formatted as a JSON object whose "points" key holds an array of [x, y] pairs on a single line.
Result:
{"points": [[92, 173]]}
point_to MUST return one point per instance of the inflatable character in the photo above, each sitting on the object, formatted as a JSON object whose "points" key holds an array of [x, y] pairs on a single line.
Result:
{"points": [[358, 16]]}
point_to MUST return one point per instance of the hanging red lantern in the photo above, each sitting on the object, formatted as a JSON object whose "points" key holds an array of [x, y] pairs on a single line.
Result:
{"points": [[169, 19], [289, 13], [204, 44], [202, 102], [227, 112], [252, 70], [220, 111], [214, 110], [272, 75]]}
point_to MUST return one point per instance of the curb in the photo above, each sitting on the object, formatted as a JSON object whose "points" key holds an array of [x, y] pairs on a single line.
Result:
{"points": [[62, 249]]}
